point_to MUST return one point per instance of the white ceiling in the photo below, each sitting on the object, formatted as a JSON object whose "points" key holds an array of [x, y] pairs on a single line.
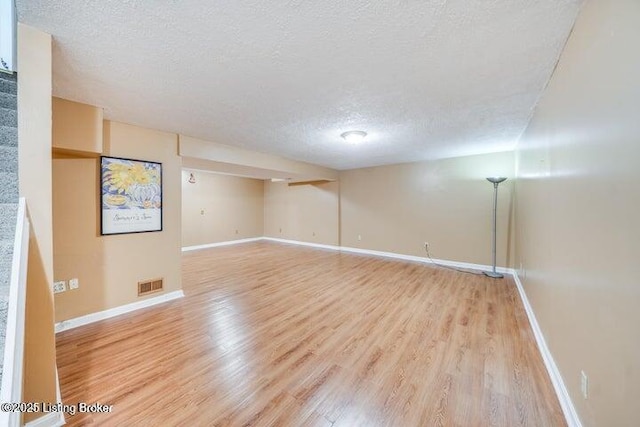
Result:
{"points": [[425, 79]]}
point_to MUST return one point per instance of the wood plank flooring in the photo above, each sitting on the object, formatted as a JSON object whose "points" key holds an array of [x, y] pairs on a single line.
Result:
{"points": [[276, 335]]}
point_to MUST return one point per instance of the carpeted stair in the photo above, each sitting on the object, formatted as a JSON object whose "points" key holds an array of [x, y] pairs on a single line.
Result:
{"points": [[8, 191]]}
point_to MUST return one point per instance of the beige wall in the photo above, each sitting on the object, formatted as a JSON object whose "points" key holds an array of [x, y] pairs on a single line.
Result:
{"points": [[109, 267], [577, 204], [76, 127], [219, 208], [34, 130], [308, 213], [447, 203], [577, 212], [197, 149]]}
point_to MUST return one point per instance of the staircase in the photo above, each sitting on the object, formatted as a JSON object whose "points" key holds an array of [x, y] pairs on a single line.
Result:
{"points": [[8, 192]]}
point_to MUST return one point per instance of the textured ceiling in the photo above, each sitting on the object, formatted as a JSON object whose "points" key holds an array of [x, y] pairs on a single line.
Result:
{"points": [[425, 79]]}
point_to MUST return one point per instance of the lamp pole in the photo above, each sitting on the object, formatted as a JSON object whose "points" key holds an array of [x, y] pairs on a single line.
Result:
{"points": [[495, 181]]}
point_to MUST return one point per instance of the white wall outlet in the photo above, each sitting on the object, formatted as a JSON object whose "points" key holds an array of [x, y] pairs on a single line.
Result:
{"points": [[426, 246], [60, 286], [359, 237], [74, 284], [584, 384]]}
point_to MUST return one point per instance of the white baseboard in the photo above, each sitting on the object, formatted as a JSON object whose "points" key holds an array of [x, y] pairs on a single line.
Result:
{"points": [[101, 315], [217, 244], [52, 419], [393, 255], [448, 263], [65, 325], [300, 243], [568, 409]]}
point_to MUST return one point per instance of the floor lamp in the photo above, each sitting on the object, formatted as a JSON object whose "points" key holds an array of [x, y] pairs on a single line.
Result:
{"points": [[495, 181]]}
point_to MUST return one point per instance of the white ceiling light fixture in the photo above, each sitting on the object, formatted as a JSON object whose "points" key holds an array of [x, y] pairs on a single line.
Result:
{"points": [[467, 82], [354, 136]]}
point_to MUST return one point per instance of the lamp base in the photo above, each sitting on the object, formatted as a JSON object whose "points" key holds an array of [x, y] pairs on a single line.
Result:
{"points": [[494, 275]]}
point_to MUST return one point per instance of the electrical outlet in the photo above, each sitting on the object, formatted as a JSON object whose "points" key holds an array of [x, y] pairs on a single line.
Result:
{"points": [[426, 246], [584, 384], [74, 284], [359, 237], [60, 286]]}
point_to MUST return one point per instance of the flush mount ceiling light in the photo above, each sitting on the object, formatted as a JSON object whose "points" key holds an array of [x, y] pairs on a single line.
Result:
{"points": [[354, 136]]}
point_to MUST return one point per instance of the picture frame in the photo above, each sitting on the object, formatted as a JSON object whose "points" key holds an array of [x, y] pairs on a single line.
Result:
{"points": [[130, 196]]}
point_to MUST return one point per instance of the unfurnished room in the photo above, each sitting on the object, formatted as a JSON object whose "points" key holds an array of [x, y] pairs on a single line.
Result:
{"points": [[338, 214]]}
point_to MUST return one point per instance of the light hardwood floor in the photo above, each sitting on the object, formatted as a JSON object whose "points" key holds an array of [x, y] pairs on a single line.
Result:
{"points": [[271, 334]]}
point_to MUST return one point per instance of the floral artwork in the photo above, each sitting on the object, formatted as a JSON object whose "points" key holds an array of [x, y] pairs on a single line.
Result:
{"points": [[131, 195]]}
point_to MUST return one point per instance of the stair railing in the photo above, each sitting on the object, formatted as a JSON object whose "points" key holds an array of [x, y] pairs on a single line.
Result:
{"points": [[12, 374]]}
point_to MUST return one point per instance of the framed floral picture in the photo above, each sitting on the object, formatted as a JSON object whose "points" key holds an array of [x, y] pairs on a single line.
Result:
{"points": [[131, 196]]}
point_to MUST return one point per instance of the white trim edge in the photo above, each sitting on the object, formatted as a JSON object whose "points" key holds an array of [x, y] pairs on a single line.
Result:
{"points": [[568, 409], [456, 264], [215, 245], [52, 419], [425, 260], [13, 358], [65, 325], [393, 255], [59, 398], [300, 243]]}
